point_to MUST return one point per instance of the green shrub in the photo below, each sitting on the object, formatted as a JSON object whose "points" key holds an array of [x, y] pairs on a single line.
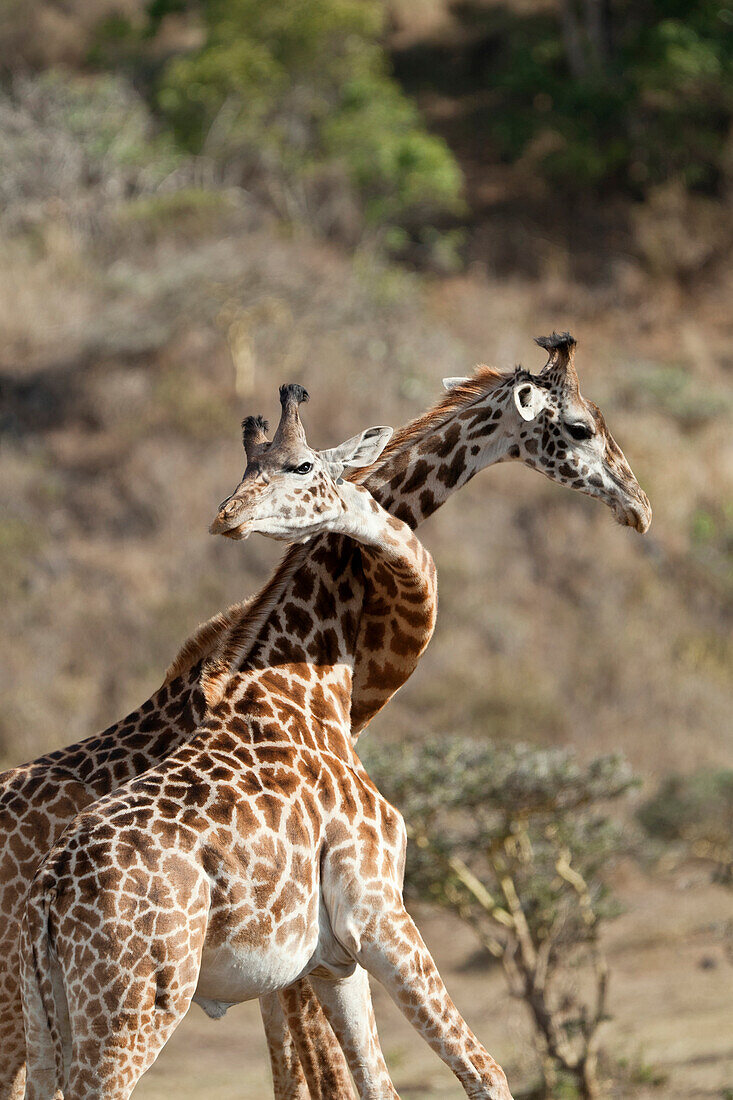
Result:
{"points": [[296, 99], [695, 811], [516, 841], [88, 141], [105, 116], [623, 96], [191, 212]]}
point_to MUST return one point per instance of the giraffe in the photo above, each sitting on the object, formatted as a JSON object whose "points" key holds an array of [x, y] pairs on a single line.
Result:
{"points": [[251, 917], [560, 394], [38, 800]]}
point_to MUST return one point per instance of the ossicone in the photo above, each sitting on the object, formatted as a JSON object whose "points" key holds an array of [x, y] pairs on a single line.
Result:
{"points": [[254, 435], [254, 425], [292, 393], [557, 341], [290, 429], [560, 366]]}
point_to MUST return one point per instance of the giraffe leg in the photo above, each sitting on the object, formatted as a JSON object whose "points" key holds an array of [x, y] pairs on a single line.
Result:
{"points": [[387, 944], [12, 1034], [106, 1062], [348, 1005], [320, 1054], [288, 1078], [12, 1038], [12, 1048], [13, 1086], [97, 1019]]}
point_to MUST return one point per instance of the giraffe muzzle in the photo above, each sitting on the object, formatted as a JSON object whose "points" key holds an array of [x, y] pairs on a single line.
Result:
{"points": [[635, 512], [643, 514], [230, 522], [628, 501]]}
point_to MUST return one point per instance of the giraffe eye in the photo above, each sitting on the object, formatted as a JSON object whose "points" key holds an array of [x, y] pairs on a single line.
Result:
{"points": [[579, 432], [304, 468]]}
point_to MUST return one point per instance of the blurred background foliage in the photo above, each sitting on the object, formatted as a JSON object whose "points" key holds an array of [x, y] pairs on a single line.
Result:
{"points": [[611, 94], [316, 107], [695, 812], [297, 100], [202, 199], [519, 844]]}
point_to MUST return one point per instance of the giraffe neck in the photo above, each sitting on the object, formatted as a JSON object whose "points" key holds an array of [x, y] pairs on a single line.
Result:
{"points": [[430, 461], [425, 463], [365, 521], [433, 457], [315, 603]]}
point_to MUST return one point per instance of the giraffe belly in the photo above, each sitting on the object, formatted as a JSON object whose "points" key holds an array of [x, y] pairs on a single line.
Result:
{"points": [[231, 973]]}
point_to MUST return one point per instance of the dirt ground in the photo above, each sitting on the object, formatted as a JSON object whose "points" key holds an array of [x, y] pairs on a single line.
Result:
{"points": [[670, 1001]]}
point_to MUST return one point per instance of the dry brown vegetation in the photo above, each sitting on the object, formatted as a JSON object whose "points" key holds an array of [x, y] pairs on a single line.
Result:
{"points": [[139, 323]]}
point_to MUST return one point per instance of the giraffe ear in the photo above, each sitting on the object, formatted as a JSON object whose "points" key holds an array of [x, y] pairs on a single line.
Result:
{"points": [[360, 450], [452, 383], [529, 399]]}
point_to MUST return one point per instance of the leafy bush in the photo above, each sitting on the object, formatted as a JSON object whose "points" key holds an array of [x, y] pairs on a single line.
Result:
{"points": [[78, 142], [623, 95], [695, 811], [190, 212], [516, 842], [296, 99]]}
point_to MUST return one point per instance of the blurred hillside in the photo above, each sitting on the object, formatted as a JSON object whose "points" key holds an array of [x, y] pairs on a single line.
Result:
{"points": [[144, 313], [594, 135], [152, 292]]}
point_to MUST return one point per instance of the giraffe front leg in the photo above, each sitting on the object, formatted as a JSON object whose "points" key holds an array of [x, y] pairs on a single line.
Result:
{"points": [[348, 1005], [387, 943]]}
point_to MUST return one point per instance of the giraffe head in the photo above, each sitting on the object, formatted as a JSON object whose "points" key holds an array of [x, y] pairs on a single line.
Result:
{"points": [[289, 491], [551, 427]]}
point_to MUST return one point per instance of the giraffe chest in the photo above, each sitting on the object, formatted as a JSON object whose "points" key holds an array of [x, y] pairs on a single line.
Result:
{"points": [[259, 948]]}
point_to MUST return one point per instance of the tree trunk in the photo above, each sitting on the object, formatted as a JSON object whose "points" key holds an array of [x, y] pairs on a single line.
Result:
{"points": [[590, 1087], [588, 36], [572, 38]]}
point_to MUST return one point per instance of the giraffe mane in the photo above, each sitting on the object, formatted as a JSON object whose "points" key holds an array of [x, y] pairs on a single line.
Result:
{"points": [[224, 640], [204, 639], [483, 381], [234, 643]]}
